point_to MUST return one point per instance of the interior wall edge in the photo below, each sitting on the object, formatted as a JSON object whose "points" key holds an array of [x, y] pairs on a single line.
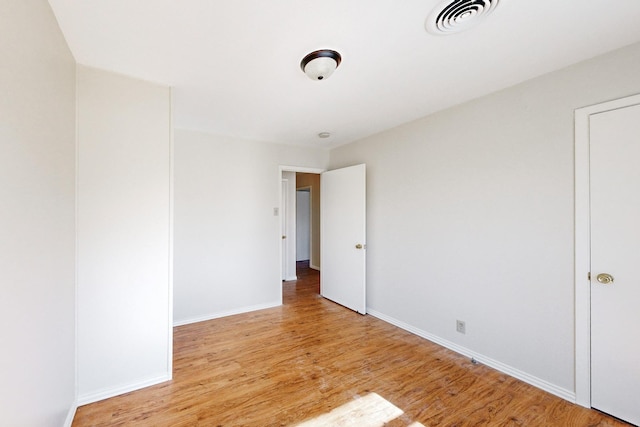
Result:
{"points": [[123, 213], [226, 313], [504, 368], [71, 414], [122, 389]]}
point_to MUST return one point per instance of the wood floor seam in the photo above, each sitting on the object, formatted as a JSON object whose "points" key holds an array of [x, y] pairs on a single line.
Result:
{"points": [[312, 361]]}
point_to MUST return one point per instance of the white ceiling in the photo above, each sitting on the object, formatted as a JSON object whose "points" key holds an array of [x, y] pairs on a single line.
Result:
{"points": [[234, 65]]}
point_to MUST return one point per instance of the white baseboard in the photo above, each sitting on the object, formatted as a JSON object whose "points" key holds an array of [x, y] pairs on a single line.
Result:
{"points": [[70, 415], [226, 313], [291, 278], [509, 370], [314, 267], [116, 391]]}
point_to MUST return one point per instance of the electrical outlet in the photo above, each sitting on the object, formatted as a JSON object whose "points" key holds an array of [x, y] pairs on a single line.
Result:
{"points": [[461, 326]]}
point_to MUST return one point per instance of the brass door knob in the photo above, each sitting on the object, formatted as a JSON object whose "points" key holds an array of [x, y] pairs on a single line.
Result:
{"points": [[358, 246], [604, 278], [284, 237]]}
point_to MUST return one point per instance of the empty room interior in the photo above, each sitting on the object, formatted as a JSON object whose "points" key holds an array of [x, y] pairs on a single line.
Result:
{"points": [[463, 175]]}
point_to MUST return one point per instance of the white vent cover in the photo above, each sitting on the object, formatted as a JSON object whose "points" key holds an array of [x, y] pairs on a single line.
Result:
{"points": [[454, 16]]}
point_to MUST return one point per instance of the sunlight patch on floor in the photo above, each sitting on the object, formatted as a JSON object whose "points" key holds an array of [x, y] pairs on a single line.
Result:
{"points": [[367, 411]]}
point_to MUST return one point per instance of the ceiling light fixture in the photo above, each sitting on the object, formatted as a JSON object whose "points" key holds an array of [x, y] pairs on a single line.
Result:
{"points": [[320, 64]]}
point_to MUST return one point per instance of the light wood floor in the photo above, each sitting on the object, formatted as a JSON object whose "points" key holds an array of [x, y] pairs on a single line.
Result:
{"points": [[286, 365]]}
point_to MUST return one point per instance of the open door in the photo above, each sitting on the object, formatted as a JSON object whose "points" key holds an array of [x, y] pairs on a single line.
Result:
{"points": [[615, 255], [343, 236]]}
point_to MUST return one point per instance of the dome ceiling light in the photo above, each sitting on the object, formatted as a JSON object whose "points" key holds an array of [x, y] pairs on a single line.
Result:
{"points": [[320, 64]]}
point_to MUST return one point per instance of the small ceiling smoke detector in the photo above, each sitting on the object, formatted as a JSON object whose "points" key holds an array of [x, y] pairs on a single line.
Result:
{"points": [[324, 135], [454, 16], [319, 65]]}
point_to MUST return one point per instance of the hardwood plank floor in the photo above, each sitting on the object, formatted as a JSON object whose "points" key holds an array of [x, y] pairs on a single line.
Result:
{"points": [[290, 364]]}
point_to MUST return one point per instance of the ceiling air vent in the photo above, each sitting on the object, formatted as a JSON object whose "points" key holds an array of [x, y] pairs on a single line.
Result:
{"points": [[455, 16]]}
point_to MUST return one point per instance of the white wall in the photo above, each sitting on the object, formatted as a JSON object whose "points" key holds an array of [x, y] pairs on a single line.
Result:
{"points": [[124, 177], [470, 217], [227, 240], [37, 241]]}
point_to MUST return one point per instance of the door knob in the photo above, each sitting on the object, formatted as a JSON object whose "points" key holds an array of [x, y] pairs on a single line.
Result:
{"points": [[604, 278], [284, 237], [358, 246]]}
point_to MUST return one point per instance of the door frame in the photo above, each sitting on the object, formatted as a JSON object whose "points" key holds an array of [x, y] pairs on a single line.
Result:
{"points": [[283, 168], [284, 227], [582, 264]]}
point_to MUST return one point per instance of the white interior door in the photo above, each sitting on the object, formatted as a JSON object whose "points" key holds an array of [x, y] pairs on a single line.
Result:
{"points": [[343, 236], [615, 251]]}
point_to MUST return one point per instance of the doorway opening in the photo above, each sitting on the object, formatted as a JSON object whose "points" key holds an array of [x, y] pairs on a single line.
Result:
{"points": [[342, 213], [308, 219], [300, 222], [303, 224]]}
